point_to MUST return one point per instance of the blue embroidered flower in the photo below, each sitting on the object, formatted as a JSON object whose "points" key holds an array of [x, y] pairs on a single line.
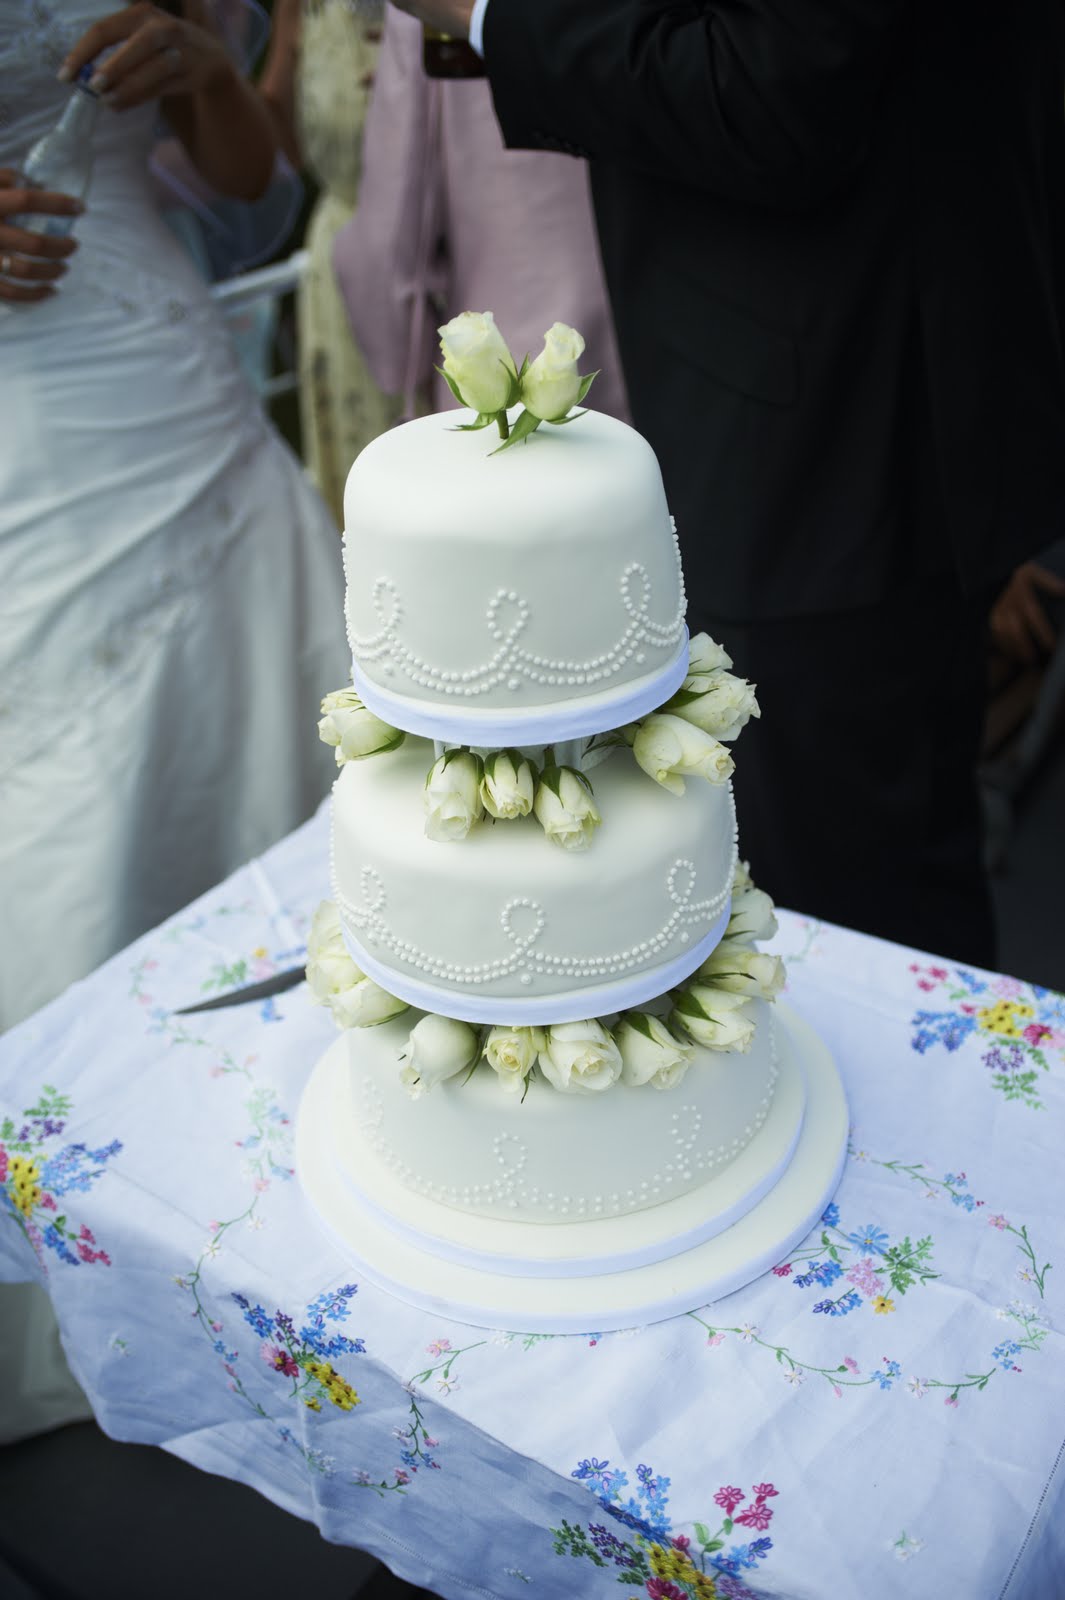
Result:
{"points": [[55, 1241], [830, 1215], [821, 1272], [965, 1200], [871, 1240], [1004, 1353], [886, 1378], [255, 1317], [948, 1028], [839, 1308], [630, 1515]]}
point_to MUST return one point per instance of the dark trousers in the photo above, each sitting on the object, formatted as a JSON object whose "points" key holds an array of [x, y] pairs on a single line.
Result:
{"points": [[856, 791]]}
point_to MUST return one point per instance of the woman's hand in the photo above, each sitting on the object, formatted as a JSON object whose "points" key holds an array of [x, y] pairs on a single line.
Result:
{"points": [[155, 57], [31, 263], [1020, 627]]}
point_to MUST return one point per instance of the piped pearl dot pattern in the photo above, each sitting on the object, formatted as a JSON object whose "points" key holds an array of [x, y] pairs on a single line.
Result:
{"points": [[507, 1173], [507, 617]]}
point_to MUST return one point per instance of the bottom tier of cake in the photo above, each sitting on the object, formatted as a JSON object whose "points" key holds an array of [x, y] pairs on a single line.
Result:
{"points": [[577, 1274]]}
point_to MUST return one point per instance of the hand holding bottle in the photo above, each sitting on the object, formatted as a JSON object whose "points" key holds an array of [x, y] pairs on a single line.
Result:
{"points": [[153, 55], [31, 263]]}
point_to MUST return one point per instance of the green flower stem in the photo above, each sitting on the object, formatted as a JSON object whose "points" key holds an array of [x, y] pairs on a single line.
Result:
{"points": [[444, 1367], [1038, 1273], [503, 425]]}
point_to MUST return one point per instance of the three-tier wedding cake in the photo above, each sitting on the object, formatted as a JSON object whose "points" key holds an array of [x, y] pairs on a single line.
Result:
{"points": [[565, 1096]]}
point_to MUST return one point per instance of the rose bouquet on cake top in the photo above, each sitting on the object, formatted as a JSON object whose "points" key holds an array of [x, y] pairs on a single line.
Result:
{"points": [[482, 374]]}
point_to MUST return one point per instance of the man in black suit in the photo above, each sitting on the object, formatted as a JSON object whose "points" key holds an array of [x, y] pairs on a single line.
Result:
{"points": [[833, 236]]}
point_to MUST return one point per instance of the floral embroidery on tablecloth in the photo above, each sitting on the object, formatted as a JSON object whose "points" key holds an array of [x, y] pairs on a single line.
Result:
{"points": [[879, 1266], [867, 1268], [38, 1172], [711, 1563], [1019, 1025]]}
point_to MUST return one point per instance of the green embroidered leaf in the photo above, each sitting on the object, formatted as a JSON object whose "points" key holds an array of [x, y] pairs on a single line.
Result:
{"points": [[702, 1533]]}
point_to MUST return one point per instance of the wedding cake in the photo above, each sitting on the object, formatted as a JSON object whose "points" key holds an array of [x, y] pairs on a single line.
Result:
{"points": [[565, 1095]]}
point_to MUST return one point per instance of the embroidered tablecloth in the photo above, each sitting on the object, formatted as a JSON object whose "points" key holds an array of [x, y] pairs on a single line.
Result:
{"points": [[883, 1414]]}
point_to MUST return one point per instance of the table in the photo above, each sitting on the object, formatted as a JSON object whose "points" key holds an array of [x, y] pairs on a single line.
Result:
{"points": [[883, 1414]]}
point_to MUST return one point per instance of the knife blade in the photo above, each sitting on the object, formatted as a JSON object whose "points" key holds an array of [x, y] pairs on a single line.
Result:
{"points": [[276, 984]]}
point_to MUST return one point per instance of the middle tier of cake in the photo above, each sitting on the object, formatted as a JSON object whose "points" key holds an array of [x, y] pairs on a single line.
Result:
{"points": [[505, 926]]}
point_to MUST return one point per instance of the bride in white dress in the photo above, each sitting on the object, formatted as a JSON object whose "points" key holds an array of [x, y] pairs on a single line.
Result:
{"points": [[170, 585]]}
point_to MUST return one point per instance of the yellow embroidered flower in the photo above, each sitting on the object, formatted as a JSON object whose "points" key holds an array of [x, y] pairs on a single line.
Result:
{"points": [[322, 1371], [1005, 1017], [313, 1404], [342, 1394], [666, 1563], [704, 1587], [20, 1169], [26, 1195], [259, 952], [881, 1304]]}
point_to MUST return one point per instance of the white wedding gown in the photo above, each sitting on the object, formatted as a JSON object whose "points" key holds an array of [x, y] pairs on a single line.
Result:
{"points": [[170, 585]]}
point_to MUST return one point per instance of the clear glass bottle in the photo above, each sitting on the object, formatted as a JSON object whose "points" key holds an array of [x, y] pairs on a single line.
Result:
{"points": [[444, 56], [61, 159]]}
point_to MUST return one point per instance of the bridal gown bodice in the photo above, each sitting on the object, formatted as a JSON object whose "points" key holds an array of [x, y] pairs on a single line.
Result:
{"points": [[170, 603]]}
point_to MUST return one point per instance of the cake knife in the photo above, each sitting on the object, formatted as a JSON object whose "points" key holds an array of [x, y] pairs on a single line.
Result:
{"points": [[276, 984]]}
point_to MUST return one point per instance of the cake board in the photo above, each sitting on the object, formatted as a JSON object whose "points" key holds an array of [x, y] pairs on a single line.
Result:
{"points": [[446, 1283]]}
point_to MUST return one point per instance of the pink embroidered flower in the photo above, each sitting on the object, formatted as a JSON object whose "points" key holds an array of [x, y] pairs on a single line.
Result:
{"points": [[764, 1491], [3, 1164], [783, 1271], [864, 1277], [951, 1400], [261, 1185], [48, 1202], [401, 1476], [85, 1232], [926, 984], [715, 1339], [850, 1364], [438, 1347], [662, 1589], [837, 1391], [757, 1516], [1007, 988], [728, 1498], [216, 1327], [968, 1007], [940, 973], [1036, 1032], [279, 1359], [997, 1221], [681, 1542]]}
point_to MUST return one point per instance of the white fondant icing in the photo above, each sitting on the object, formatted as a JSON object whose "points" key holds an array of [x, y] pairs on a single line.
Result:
{"points": [[543, 577], [411, 1266], [489, 926], [548, 1157]]}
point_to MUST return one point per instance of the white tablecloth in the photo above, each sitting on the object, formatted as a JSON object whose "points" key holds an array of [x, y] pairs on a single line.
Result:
{"points": [[882, 1415]]}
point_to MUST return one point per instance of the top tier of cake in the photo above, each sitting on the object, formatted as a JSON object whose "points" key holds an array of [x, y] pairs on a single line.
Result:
{"points": [[515, 598]]}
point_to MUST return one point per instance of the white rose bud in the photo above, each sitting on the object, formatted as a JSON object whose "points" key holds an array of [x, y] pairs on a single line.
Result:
{"points": [[580, 1058], [670, 749], [649, 1052], [741, 877], [436, 1049], [453, 795], [705, 655], [507, 785], [738, 966], [511, 1053], [352, 730], [552, 385], [565, 809], [718, 703], [325, 934], [330, 970], [364, 1005], [477, 362], [752, 916], [715, 1018]]}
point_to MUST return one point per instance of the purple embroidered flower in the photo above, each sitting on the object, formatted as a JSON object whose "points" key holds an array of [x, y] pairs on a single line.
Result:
{"points": [[609, 1547], [662, 1589]]}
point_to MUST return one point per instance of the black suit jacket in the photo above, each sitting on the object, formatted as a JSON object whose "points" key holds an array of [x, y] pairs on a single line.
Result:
{"points": [[833, 236]]}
